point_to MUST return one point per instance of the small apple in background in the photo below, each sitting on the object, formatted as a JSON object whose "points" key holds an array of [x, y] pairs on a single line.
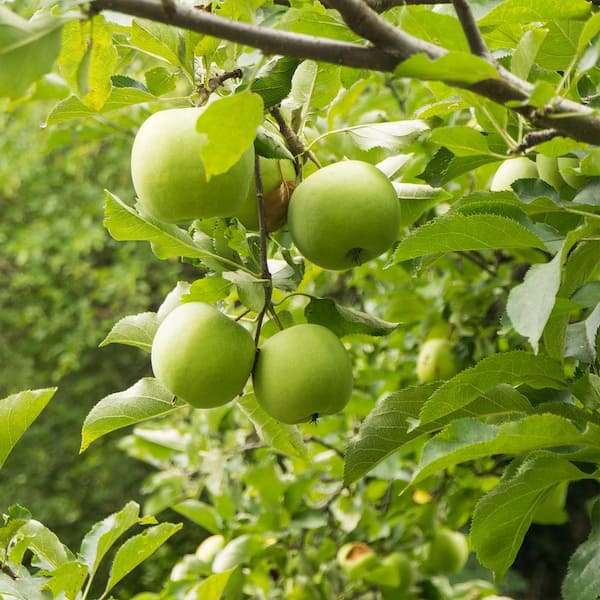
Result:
{"points": [[447, 552], [278, 182], [201, 356], [344, 214], [302, 372], [357, 559], [395, 571], [209, 548], [168, 174], [436, 360], [510, 171]]}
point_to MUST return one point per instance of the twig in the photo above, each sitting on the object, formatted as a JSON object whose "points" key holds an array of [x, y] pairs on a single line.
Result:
{"points": [[215, 82], [472, 33], [533, 138], [293, 142], [8, 571], [477, 259], [322, 442]]}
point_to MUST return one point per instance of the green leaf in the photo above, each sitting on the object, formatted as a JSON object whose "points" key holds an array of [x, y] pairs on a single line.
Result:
{"points": [[120, 97], [390, 425], [271, 145], [530, 303], [242, 113], [137, 549], [17, 413], [392, 135], [210, 289], [160, 81], [156, 39], [28, 49], [200, 513], [316, 23], [101, 537], [42, 542], [343, 320], [67, 579], [282, 438], [513, 368], [503, 516], [416, 199], [168, 241], [314, 86], [461, 141], [528, 11], [23, 588], [529, 45], [274, 81], [144, 400], [582, 581], [459, 67], [469, 439], [134, 330], [211, 588], [459, 232]]}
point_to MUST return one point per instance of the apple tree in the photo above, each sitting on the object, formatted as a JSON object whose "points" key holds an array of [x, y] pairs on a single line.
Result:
{"points": [[391, 208]]}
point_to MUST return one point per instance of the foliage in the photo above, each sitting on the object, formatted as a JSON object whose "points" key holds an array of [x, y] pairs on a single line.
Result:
{"points": [[510, 277]]}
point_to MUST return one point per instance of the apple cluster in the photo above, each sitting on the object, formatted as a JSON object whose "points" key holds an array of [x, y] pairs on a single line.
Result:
{"points": [[339, 217]]}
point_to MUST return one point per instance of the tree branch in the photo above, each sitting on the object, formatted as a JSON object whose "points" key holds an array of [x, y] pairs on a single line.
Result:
{"points": [[472, 33], [392, 46], [534, 138]]}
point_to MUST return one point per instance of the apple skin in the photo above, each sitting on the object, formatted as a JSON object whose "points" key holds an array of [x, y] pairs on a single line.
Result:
{"points": [[436, 360], [201, 355], [447, 552], [572, 179], [301, 372], [271, 171], [344, 215], [394, 571], [357, 559], [209, 548], [168, 174], [511, 170], [547, 167]]}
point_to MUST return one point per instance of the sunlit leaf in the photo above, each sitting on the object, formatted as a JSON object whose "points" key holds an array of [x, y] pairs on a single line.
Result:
{"points": [[134, 330]]}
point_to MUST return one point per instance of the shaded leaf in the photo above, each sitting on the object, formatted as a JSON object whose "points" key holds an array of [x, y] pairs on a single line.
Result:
{"points": [[274, 81], [581, 337], [343, 320], [146, 399], [200, 513], [503, 516], [279, 436], [211, 588], [17, 413]]}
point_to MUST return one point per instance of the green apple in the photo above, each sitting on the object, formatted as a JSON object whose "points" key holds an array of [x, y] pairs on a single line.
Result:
{"points": [[344, 215], [436, 360], [357, 559], [395, 570], [302, 372], [566, 166], [169, 177], [510, 171], [547, 167], [447, 552], [201, 356], [274, 173]]}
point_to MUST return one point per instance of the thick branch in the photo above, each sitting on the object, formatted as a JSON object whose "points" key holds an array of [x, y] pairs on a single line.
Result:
{"points": [[393, 46], [383, 5], [269, 41], [472, 33]]}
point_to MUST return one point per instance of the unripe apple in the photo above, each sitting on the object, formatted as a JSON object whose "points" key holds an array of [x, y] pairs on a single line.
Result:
{"points": [[447, 552], [436, 360], [278, 181], [201, 356], [511, 170], [344, 215], [395, 570], [168, 174], [547, 167], [357, 559], [302, 372]]}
